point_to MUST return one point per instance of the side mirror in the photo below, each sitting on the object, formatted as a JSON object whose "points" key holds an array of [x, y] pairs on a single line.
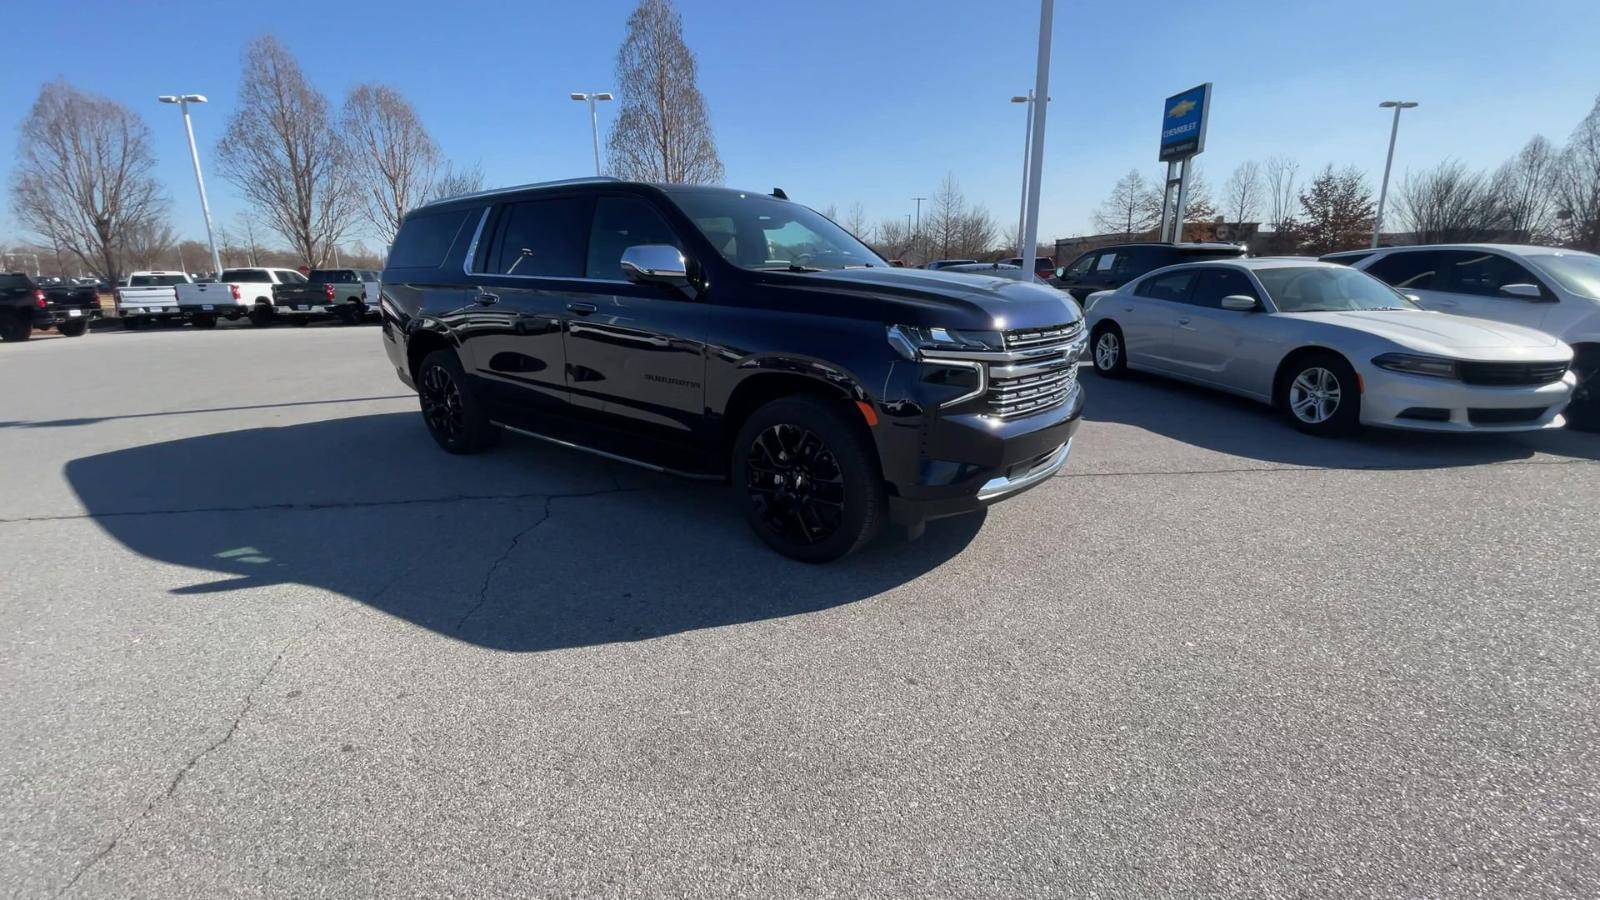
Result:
{"points": [[1414, 298], [655, 264], [1240, 303], [1526, 291]]}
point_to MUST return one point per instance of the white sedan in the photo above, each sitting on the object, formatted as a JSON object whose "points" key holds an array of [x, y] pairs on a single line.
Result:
{"points": [[1333, 347]]}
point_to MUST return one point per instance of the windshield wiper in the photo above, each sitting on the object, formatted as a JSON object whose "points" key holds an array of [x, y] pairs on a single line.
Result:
{"points": [[789, 267]]}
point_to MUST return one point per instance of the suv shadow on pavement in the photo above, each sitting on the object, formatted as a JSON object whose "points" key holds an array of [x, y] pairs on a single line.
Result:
{"points": [[524, 548], [1241, 427]]}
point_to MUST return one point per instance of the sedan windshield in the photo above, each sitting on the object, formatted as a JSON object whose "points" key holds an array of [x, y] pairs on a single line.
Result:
{"points": [[760, 232], [1577, 272], [1327, 289]]}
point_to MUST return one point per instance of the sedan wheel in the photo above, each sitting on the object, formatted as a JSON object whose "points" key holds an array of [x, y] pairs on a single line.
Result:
{"points": [[1109, 360], [1322, 395]]}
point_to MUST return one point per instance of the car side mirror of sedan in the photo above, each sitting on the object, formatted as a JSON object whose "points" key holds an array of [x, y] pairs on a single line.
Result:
{"points": [[1240, 303], [1525, 291], [655, 264]]}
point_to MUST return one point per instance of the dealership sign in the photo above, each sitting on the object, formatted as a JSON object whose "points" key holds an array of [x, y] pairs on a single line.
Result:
{"points": [[1183, 123]]}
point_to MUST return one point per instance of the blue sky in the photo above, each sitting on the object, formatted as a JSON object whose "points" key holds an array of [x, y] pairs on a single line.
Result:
{"points": [[872, 100]]}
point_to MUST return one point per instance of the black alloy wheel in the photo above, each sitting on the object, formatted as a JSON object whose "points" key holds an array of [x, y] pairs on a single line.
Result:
{"points": [[808, 475], [449, 408], [1583, 413]]}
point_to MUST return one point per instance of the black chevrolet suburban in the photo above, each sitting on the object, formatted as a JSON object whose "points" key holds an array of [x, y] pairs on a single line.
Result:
{"points": [[732, 335], [27, 304]]}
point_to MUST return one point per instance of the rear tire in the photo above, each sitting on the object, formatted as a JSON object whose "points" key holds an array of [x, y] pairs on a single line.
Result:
{"points": [[261, 316], [1321, 395], [73, 327], [808, 479], [1583, 413], [454, 415], [1110, 351], [15, 328]]}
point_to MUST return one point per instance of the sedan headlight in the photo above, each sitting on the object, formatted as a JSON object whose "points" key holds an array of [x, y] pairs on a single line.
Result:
{"points": [[912, 340], [1417, 364]]}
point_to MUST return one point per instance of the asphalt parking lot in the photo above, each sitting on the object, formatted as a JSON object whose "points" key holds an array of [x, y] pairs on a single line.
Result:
{"points": [[259, 637]]}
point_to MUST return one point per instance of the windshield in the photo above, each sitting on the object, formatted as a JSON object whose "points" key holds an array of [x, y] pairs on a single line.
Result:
{"points": [[755, 231], [1327, 288], [1577, 272]]}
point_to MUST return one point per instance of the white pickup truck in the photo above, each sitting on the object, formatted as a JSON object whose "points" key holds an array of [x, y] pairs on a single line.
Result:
{"points": [[149, 297], [250, 292]]}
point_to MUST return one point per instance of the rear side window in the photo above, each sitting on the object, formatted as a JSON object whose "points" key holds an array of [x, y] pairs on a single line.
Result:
{"points": [[1214, 284], [1080, 266], [14, 281], [1416, 269], [1105, 261], [620, 223], [245, 275], [335, 276], [290, 277], [542, 238], [1172, 286], [1135, 261], [156, 280], [424, 239], [1483, 274]]}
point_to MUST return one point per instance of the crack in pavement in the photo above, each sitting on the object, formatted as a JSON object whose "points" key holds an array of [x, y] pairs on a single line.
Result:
{"points": [[177, 779], [511, 546]]}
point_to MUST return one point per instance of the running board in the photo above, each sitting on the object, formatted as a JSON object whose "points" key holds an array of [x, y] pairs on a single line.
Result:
{"points": [[603, 454]]}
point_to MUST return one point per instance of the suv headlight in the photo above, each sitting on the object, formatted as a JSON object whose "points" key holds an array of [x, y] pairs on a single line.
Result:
{"points": [[1416, 364], [911, 340]]}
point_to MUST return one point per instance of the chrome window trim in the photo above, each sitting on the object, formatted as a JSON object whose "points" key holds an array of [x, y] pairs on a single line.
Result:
{"points": [[477, 234]]}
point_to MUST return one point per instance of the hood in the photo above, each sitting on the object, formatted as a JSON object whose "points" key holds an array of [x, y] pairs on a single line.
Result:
{"points": [[948, 299], [1441, 334]]}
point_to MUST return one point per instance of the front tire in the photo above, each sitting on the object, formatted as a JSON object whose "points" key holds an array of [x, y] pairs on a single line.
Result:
{"points": [[1321, 395], [73, 327], [1583, 413], [454, 415], [261, 316], [1110, 351], [808, 479]]}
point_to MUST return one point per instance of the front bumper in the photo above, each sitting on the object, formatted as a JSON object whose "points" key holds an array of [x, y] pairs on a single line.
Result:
{"points": [[291, 310], [1423, 403], [969, 462]]}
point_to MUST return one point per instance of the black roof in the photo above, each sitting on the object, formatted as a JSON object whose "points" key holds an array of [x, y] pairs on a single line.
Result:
{"points": [[494, 193]]}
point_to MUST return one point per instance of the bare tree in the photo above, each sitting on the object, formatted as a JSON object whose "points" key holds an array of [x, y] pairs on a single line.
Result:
{"points": [[1134, 207], [453, 182], [1197, 204], [84, 176], [282, 153], [894, 239], [246, 225], [1523, 190], [663, 131], [394, 159], [831, 211], [146, 244], [1578, 190], [856, 220], [1241, 196], [1283, 198], [1448, 204]]}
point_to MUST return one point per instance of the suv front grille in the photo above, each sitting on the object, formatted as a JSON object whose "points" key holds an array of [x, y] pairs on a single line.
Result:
{"points": [[1039, 382], [1511, 373]]}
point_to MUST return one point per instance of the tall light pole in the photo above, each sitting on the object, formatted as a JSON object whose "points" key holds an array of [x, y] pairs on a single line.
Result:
{"points": [[1383, 192], [916, 233], [594, 120], [1027, 150], [183, 101], [1041, 93]]}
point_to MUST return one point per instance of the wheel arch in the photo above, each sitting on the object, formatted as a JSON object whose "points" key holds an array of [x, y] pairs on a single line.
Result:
{"points": [[1280, 377], [758, 389], [421, 341]]}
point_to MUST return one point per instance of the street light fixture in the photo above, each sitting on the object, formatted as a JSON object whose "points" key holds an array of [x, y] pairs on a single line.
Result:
{"points": [[183, 101], [1383, 192], [594, 120]]}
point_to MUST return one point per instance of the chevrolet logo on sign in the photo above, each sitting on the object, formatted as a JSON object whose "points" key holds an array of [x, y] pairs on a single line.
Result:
{"points": [[1180, 109]]}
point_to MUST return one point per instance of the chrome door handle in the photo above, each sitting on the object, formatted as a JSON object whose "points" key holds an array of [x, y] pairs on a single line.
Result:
{"points": [[582, 309], [486, 299]]}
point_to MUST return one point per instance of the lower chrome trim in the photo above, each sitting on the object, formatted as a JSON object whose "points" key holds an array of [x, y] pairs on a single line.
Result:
{"points": [[603, 454], [1000, 487]]}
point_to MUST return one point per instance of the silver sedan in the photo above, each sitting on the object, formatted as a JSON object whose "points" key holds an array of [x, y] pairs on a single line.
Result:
{"points": [[1333, 347]]}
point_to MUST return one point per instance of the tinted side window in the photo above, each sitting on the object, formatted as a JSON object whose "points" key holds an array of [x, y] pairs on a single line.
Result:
{"points": [[620, 223], [1139, 260], [1172, 286], [542, 237], [1214, 284], [424, 239], [1415, 269], [1349, 259], [14, 281], [1105, 261], [1484, 274], [1080, 266]]}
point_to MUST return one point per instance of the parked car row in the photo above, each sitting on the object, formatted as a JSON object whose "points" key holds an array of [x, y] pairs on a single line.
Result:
{"points": [[262, 294]]}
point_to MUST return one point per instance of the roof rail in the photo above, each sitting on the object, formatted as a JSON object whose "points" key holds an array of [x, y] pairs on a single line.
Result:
{"points": [[495, 192]]}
